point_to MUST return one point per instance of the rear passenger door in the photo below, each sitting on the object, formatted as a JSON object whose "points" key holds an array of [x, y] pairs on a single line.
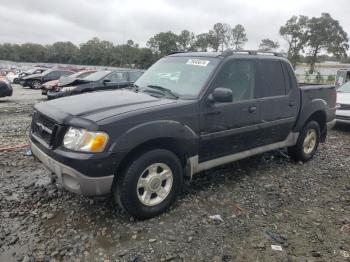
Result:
{"points": [[279, 101]]}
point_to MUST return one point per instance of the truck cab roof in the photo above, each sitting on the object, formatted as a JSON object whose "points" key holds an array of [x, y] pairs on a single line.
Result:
{"points": [[233, 53]]}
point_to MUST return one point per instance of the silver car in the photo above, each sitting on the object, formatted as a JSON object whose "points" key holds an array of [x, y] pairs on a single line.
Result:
{"points": [[343, 104]]}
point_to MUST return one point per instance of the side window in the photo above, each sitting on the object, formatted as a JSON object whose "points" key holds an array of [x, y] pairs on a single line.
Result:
{"points": [[239, 76], [134, 76], [52, 75], [65, 73], [117, 77], [270, 78]]}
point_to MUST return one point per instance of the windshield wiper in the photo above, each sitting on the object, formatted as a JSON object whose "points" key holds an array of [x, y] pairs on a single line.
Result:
{"points": [[164, 90]]}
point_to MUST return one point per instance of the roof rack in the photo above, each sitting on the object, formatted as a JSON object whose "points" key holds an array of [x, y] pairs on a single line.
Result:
{"points": [[176, 52], [229, 52]]}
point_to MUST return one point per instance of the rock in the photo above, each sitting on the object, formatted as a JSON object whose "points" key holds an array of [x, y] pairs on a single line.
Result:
{"points": [[13, 240], [152, 240], [26, 259], [171, 238]]}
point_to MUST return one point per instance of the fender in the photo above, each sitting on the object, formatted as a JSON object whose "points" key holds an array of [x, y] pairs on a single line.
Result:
{"points": [[305, 112], [155, 130]]}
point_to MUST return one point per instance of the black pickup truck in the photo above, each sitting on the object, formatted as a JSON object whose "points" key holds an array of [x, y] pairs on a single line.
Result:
{"points": [[189, 112]]}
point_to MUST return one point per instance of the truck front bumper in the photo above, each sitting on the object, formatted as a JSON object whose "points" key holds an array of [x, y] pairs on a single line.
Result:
{"points": [[73, 180], [343, 116]]}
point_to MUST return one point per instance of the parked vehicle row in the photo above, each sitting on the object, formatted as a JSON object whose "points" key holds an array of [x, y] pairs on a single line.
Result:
{"points": [[36, 80], [97, 81], [61, 82]]}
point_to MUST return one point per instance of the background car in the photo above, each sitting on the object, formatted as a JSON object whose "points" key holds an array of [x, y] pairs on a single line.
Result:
{"points": [[64, 81], [18, 77], [36, 80], [342, 114], [101, 80], [5, 88]]}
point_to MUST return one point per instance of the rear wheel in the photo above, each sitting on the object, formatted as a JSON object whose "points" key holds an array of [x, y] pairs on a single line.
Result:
{"points": [[35, 84], [149, 184], [307, 143]]}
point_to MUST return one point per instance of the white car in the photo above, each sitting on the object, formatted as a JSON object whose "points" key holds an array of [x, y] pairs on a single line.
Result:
{"points": [[342, 114], [11, 76]]}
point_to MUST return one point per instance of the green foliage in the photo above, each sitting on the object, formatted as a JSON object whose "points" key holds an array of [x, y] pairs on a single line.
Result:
{"points": [[238, 37], [93, 52], [164, 43], [268, 45], [325, 34], [294, 32], [317, 35], [331, 79], [319, 78]]}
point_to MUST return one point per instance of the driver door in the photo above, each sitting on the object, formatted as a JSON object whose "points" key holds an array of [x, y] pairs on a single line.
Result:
{"points": [[228, 128]]}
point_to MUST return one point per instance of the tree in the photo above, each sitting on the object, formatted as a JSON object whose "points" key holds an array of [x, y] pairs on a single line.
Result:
{"points": [[325, 34], [294, 32], [219, 36], [202, 42], [185, 40], [163, 43], [62, 52], [267, 45], [32, 52], [238, 37]]}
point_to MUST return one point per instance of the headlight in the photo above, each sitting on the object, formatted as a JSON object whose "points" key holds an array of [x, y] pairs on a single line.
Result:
{"points": [[68, 88], [78, 139]]}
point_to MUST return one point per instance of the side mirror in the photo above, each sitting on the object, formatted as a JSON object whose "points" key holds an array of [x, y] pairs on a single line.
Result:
{"points": [[105, 81], [221, 95]]}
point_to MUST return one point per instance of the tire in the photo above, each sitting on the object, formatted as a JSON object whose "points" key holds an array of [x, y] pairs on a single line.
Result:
{"points": [[35, 84], [304, 150], [142, 191]]}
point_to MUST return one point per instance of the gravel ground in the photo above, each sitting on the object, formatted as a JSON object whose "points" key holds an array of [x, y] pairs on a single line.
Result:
{"points": [[262, 201]]}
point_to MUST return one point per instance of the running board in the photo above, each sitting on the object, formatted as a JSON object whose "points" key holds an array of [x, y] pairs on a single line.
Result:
{"points": [[194, 167]]}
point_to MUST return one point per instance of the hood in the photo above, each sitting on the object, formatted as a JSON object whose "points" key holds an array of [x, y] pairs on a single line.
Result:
{"points": [[32, 76], [97, 106], [343, 98]]}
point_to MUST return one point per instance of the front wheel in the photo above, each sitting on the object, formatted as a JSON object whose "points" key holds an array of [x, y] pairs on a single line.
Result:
{"points": [[307, 143], [149, 184]]}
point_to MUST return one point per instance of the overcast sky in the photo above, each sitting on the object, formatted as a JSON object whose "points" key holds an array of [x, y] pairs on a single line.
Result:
{"points": [[48, 21]]}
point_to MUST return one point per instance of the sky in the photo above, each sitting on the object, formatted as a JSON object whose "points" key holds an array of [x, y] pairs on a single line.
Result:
{"points": [[48, 21]]}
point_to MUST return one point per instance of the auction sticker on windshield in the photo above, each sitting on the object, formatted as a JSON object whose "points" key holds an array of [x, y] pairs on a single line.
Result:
{"points": [[197, 62]]}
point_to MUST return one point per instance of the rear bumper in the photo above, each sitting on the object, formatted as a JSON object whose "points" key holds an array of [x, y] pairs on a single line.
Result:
{"points": [[73, 180]]}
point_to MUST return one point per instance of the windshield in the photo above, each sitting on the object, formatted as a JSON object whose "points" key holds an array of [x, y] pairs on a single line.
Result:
{"points": [[46, 72], [345, 88], [184, 76], [97, 76]]}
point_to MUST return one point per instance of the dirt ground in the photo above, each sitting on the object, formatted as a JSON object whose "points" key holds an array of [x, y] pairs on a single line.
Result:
{"points": [[262, 201]]}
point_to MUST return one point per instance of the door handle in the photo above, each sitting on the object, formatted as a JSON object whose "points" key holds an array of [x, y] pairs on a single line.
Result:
{"points": [[252, 109], [291, 103]]}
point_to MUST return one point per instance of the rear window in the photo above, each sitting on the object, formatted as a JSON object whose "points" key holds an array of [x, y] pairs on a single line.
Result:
{"points": [[270, 78]]}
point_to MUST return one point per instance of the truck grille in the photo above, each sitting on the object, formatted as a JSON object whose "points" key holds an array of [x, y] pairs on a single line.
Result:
{"points": [[43, 128], [344, 107]]}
